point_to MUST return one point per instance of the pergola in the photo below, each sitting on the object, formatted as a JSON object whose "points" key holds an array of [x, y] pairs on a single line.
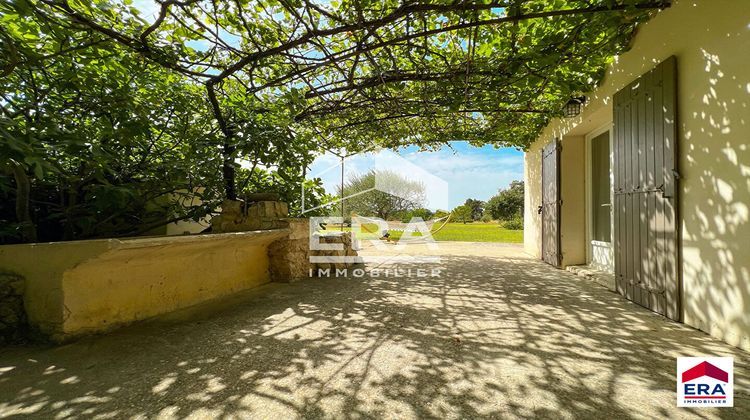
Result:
{"points": [[362, 73]]}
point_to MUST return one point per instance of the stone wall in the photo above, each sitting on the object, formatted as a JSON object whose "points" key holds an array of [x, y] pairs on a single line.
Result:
{"points": [[13, 324], [238, 216], [291, 256], [344, 258], [83, 287], [64, 290]]}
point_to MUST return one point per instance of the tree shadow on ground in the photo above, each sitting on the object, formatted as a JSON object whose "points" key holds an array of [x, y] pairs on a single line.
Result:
{"points": [[491, 337]]}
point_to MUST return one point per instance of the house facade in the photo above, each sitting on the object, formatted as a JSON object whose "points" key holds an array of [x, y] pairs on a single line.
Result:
{"points": [[651, 181]]}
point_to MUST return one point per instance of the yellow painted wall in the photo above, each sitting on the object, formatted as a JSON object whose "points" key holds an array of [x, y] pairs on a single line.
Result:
{"points": [[572, 192], [711, 40], [74, 288], [572, 210], [45, 264]]}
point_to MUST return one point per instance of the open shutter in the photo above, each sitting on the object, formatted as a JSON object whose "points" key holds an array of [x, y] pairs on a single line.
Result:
{"points": [[550, 209], [645, 207]]}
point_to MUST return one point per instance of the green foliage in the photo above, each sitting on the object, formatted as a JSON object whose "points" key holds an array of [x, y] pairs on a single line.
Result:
{"points": [[486, 217], [462, 214], [384, 73], [363, 199], [422, 213], [439, 214], [508, 203], [114, 121], [476, 206], [111, 146], [516, 223]]}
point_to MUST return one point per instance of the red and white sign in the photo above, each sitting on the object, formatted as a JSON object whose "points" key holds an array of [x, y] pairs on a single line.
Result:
{"points": [[705, 382]]}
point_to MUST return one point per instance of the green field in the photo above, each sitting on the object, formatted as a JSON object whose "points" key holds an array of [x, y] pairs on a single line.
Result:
{"points": [[478, 232], [469, 232]]}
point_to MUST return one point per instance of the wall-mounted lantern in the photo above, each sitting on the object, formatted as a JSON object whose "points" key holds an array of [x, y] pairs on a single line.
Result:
{"points": [[574, 106]]}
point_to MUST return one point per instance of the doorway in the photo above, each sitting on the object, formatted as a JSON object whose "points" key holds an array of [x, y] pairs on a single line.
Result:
{"points": [[600, 252], [550, 208]]}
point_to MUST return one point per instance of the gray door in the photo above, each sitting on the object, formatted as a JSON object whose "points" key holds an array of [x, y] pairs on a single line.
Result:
{"points": [[645, 176], [550, 209]]}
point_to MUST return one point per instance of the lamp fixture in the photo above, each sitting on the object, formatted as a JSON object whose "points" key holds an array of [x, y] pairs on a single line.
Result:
{"points": [[573, 106]]}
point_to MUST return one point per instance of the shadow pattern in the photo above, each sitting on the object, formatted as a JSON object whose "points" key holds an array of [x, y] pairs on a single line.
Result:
{"points": [[491, 337]]}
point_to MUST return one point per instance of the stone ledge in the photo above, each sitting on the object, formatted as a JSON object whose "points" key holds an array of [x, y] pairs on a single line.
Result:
{"points": [[81, 287], [601, 278], [238, 216]]}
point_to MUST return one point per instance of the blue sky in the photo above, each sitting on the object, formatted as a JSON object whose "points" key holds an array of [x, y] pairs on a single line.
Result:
{"points": [[470, 172]]}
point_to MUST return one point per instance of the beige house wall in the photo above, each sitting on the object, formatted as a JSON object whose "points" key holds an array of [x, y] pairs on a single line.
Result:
{"points": [[80, 287], [711, 40], [572, 192]]}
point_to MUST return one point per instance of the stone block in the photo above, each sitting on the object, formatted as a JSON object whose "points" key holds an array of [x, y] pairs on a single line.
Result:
{"points": [[259, 215], [283, 209], [13, 322], [254, 212], [299, 228], [233, 207]]}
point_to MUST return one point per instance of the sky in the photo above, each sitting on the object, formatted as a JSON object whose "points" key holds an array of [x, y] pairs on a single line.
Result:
{"points": [[468, 172]]}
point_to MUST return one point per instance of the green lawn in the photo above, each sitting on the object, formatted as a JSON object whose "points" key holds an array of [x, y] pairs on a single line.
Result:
{"points": [[478, 232], [469, 232]]}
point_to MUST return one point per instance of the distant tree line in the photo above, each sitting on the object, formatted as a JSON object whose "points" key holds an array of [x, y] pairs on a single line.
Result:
{"points": [[506, 206]]}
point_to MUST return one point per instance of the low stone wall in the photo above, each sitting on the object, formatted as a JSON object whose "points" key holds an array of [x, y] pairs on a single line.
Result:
{"points": [[237, 216], [345, 257], [75, 288], [13, 323], [67, 289], [291, 256]]}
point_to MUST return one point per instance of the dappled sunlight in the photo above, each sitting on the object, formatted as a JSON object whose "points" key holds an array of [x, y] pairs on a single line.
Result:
{"points": [[715, 206], [713, 189], [493, 336]]}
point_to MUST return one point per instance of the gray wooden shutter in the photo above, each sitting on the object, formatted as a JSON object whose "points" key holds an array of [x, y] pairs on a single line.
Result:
{"points": [[645, 207], [550, 208]]}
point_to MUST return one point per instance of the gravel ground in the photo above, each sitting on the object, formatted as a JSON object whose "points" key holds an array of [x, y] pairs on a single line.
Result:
{"points": [[496, 335]]}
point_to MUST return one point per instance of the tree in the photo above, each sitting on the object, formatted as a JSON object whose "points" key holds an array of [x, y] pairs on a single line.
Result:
{"points": [[422, 213], [96, 141], [88, 154], [106, 115], [476, 206], [394, 195], [492, 71], [508, 203], [462, 213], [439, 214]]}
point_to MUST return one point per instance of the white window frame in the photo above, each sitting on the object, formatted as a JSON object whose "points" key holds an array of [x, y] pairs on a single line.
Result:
{"points": [[589, 184]]}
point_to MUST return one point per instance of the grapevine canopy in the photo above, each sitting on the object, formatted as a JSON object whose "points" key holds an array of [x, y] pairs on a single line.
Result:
{"points": [[386, 72], [281, 79]]}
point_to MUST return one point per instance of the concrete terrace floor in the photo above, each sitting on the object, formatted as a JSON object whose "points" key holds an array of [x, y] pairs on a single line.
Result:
{"points": [[497, 335]]}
